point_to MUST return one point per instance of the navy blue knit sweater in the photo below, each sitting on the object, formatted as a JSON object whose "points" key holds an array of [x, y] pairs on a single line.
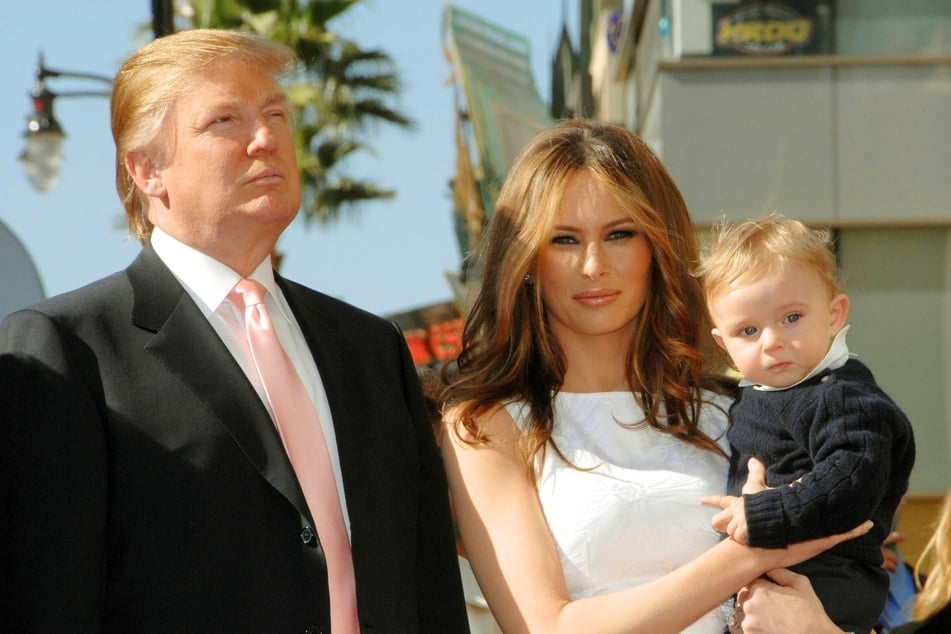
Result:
{"points": [[853, 449]]}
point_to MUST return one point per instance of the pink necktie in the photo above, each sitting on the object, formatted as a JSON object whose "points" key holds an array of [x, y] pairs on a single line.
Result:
{"points": [[300, 431]]}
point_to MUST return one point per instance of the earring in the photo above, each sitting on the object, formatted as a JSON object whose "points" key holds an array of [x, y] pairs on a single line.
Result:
{"points": [[529, 279]]}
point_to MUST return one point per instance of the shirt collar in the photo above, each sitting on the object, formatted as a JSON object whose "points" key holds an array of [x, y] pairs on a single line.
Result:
{"points": [[207, 280], [836, 357]]}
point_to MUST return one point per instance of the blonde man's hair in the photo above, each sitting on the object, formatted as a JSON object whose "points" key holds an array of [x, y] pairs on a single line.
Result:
{"points": [[153, 78], [746, 252]]}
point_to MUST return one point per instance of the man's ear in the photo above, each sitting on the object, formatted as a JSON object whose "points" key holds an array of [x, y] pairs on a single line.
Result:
{"points": [[839, 311], [145, 173], [716, 337]]}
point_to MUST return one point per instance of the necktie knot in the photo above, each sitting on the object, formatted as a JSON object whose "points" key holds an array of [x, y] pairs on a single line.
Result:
{"points": [[247, 293]]}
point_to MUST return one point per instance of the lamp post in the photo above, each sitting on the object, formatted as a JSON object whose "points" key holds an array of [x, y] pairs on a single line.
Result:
{"points": [[43, 153]]}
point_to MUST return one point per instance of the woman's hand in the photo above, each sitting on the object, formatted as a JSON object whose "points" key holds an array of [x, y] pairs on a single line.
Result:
{"points": [[785, 603]]}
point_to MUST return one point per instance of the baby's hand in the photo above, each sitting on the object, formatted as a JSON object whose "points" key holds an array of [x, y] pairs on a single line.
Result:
{"points": [[756, 477], [732, 519]]}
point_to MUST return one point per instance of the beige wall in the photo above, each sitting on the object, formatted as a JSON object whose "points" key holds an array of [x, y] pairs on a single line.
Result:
{"points": [[899, 282]]}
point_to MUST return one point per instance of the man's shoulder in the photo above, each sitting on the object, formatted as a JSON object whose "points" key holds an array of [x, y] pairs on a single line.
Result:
{"points": [[310, 300], [82, 313], [95, 297]]}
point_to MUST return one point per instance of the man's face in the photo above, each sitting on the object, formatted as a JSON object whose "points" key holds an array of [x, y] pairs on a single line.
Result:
{"points": [[230, 169]]}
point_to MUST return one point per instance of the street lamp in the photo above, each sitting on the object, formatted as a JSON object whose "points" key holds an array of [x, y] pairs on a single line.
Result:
{"points": [[43, 153]]}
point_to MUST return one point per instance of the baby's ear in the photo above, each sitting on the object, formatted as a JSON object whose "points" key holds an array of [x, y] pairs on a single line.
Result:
{"points": [[839, 311], [716, 337]]}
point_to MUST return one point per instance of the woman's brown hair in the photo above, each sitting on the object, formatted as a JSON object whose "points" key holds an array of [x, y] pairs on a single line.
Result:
{"points": [[508, 351]]}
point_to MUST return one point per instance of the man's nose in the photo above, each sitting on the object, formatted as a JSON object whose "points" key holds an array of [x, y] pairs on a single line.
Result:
{"points": [[262, 139]]}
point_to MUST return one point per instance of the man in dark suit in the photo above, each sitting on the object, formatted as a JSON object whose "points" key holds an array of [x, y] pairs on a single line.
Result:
{"points": [[144, 485]]}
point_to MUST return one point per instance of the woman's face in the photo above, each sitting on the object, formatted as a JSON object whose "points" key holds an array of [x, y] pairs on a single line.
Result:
{"points": [[593, 271]]}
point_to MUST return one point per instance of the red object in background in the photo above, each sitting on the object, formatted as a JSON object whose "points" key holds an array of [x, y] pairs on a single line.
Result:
{"points": [[445, 339], [439, 342], [418, 342]]}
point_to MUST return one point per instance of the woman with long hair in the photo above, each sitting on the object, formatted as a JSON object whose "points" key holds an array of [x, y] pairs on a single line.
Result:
{"points": [[584, 424], [932, 607]]}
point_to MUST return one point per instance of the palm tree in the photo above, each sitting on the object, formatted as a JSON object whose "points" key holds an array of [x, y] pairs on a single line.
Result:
{"points": [[339, 92]]}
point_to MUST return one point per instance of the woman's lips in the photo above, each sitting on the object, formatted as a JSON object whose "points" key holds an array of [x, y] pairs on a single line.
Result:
{"points": [[597, 297]]}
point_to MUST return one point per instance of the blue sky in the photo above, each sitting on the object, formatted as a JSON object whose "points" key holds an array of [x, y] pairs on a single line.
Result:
{"points": [[387, 257]]}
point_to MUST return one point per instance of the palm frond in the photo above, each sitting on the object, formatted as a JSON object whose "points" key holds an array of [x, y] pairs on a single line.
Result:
{"points": [[340, 93]]}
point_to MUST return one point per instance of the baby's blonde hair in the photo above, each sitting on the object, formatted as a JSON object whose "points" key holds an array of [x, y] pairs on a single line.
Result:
{"points": [[746, 252]]}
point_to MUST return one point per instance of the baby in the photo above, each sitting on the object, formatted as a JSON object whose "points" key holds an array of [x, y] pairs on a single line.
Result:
{"points": [[836, 448]]}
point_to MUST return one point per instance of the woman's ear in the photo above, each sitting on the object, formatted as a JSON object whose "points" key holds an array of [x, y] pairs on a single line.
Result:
{"points": [[839, 311], [144, 171]]}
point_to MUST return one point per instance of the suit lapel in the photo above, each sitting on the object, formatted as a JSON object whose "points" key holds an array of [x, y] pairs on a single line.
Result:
{"points": [[186, 344], [334, 353]]}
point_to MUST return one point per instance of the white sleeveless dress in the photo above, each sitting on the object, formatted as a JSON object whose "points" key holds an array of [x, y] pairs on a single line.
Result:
{"points": [[633, 513]]}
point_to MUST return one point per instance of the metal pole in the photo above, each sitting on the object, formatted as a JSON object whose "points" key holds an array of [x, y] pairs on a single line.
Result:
{"points": [[163, 14]]}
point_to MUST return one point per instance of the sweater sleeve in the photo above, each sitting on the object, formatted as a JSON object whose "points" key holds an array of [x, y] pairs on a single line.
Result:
{"points": [[850, 439]]}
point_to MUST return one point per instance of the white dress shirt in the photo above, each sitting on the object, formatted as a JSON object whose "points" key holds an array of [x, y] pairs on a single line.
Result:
{"points": [[208, 282]]}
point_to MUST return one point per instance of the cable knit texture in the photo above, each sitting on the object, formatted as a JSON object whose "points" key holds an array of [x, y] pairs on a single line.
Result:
{"points": [[853, 449]]}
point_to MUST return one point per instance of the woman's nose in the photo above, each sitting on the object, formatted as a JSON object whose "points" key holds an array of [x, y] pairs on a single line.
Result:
{"points": [[595, 262]]}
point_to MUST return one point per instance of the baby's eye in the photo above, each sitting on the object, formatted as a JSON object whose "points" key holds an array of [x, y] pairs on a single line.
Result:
{"points": [[748, 331], [793, 318]]}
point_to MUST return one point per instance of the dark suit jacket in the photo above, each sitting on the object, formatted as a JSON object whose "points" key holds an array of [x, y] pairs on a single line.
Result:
{"points": [[145, 489]]}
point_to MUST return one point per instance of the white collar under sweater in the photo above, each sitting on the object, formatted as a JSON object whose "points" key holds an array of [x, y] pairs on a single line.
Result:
{"points": [[836, 357]]}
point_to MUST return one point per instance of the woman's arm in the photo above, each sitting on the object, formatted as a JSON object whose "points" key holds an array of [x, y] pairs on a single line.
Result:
{"points": [[519, 571]]}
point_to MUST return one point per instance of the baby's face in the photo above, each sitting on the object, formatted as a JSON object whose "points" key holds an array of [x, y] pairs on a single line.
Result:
{"points": [[779, 327]]}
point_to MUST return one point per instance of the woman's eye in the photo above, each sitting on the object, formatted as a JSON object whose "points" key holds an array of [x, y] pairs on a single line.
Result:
{"points": [[563, 240], [620, 234]]}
